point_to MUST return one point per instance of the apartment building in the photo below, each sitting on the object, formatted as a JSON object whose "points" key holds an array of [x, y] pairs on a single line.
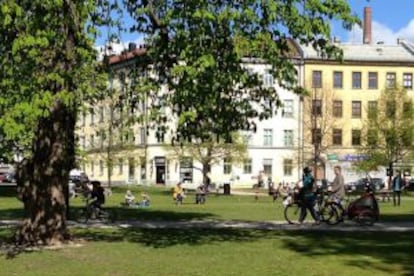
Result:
{"points": [[275, 147], [342, 93]]}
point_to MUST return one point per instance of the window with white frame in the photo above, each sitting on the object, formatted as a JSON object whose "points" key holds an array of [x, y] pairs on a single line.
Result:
{"points": [[391, 80], [227, 166], [288, 137], [287, 167], [101, 114], [408, 80], [120, 166], [101, 167], [247, 166], [267, 166], [268, 137], [288, 108], [268, 80]]}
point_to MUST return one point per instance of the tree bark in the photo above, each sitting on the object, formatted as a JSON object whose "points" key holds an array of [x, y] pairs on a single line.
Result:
{"points": [[43, 180]]}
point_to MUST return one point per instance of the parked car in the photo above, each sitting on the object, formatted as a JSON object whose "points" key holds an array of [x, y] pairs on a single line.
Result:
{"points": [[359, 185], [410, 185]]}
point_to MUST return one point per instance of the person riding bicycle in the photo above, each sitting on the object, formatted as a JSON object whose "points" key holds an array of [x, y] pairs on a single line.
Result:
{"points": [[307, 195], [97, 195]]}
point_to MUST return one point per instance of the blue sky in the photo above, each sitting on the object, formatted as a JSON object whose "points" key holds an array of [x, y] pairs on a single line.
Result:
{"points": [[391, 19]]}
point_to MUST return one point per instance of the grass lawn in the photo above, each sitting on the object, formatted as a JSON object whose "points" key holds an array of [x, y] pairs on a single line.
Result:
{"points": [[213, 251], [221, 207], [220, 252]]}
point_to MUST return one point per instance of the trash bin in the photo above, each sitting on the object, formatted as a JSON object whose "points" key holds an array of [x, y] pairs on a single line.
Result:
{"points": [[226, 188]]}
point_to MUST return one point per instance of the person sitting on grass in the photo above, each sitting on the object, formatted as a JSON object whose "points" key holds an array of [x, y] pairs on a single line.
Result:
{"points": [[129, 198], [145, 199], [178, 193]]}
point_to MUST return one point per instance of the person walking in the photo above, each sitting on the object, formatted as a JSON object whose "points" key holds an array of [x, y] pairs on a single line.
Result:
{"points": [[338, 188], [307, 196], [397, 185]]}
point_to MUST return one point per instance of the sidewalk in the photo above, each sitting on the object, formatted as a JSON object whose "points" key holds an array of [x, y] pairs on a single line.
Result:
{"points": [[348, 226]]}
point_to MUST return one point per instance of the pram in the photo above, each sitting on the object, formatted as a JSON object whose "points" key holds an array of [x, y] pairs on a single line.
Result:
{"points": [[364, 210]]}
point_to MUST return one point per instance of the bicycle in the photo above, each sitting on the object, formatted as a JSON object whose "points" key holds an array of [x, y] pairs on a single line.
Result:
{"points": [[295, 210], [91, 212]]}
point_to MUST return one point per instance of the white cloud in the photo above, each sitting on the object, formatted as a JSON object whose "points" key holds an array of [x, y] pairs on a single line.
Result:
{"points": [[382, 33]]}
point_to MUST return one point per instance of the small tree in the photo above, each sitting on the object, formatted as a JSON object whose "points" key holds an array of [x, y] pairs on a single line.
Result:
{"points": [[321, 118], [388, 130], [211, 151]]}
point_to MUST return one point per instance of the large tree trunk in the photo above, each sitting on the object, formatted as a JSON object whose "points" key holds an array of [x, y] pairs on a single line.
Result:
{"points": [[43, 180]]}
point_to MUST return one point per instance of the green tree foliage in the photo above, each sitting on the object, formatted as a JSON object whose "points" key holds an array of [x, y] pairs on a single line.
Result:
{"points": [[199, 48], [388, 129], [48, 67]]}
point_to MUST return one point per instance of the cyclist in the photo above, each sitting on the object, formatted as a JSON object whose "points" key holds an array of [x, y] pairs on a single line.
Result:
{"points": [[98, 196], [307, 195]]}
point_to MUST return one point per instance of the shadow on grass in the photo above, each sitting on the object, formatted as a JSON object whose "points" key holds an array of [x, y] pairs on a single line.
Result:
{"points": [[397, 217], [163, 238], [371, 251], [11, 213], [8, 190]]}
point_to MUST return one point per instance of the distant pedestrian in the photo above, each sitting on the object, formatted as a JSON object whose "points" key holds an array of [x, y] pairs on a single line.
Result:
{"points": [[397, 186]]}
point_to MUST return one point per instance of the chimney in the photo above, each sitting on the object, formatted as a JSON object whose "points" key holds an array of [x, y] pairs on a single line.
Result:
{"points": [[367, 39]]}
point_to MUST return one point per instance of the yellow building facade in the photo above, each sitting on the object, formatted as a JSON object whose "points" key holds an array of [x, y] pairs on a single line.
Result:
{"points": [[341, 93]]}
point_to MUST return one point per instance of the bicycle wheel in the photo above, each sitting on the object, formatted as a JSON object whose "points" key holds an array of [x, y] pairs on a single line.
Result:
{"points": [[82, 216], [366, 217], [329, 214], [293, 213]]}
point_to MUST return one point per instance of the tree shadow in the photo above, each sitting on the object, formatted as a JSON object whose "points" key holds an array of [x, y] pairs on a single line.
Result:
{"points": [[397, 217], [385, 247], [167, 237], [7, 190], [12, 214]]}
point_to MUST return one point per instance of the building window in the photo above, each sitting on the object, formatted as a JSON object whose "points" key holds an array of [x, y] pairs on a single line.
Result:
{"points": [[142, 135], [121, 166], [83, 118], [372, 109], [372, 80], [268, 80], [337, 137], [268, 137], [92, 168], [316, 136], [372, 137], [101, 114], [83, 142], [160, 135], [408, 80], [288, 137], [247, 166], [337, 109], [356, 80], [337, 78], [317, 107], [356, 109], [92, 140], [227, 166], [391, 80], [288, 108], [287, 167], [101, 167], [317, 79], [356, 137], [92, 114], [391, 109], [267, 167]]}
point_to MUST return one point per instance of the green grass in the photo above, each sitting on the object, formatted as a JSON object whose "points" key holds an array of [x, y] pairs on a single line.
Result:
{"points": [[220, 252], [220, 207], [133, 251]]}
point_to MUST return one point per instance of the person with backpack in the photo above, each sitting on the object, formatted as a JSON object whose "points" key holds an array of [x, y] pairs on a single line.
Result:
{"points": [[307, 196]]}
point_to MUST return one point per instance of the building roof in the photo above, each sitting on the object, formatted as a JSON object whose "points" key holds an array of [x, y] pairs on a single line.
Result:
{"points": [[401, 52]]}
